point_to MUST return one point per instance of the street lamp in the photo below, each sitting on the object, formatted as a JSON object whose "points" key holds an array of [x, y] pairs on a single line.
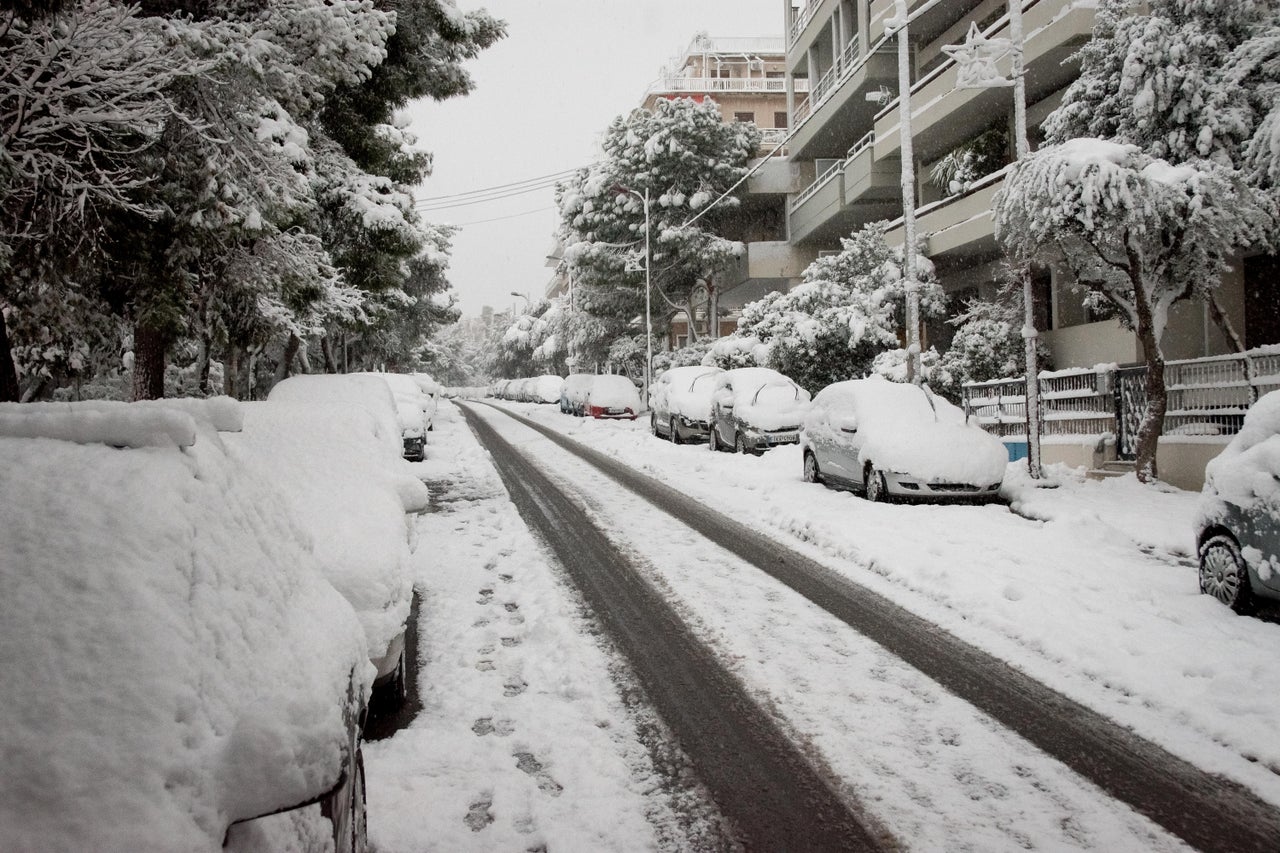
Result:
{"points": [[648, 317], [898, 23], [976, 69]]}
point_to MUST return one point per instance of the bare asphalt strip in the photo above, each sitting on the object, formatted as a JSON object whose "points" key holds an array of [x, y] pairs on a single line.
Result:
{"points": [[1205, 810], [776, 799]]}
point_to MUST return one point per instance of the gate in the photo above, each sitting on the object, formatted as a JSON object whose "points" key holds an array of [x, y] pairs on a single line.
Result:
{"points": [[1131, 405]]}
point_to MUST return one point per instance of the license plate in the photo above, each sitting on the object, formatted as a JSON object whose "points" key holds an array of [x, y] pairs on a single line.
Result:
{"points": [[782, 437], [616, 411]]}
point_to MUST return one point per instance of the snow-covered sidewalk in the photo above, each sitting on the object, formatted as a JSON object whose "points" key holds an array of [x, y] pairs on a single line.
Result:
{"points": [[1091, 589], [525, 741]]}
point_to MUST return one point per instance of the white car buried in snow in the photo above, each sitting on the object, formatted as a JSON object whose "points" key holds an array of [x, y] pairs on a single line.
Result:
{"points": [[888, 439], [612, 396], [171, 664]]}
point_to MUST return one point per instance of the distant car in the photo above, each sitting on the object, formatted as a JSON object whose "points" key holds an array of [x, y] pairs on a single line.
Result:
{"points": [[889, 439], [174, 668], [1238, 527], [680, 402], [414, 410], [612, 396], [573, 394], [754, 409]]}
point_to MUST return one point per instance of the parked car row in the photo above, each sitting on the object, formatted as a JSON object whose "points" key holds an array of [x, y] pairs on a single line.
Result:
{"points": [[582, 394], [200, 596]]}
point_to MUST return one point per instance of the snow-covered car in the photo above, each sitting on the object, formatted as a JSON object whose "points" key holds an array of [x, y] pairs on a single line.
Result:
{"points": [[433, 391], [573, 394], [172, 667], [355, 506], [890, 439], [612, 396], [1238, 526], [546, 389], [753, 409], [680, 403], [414, 410], [365, 391]]}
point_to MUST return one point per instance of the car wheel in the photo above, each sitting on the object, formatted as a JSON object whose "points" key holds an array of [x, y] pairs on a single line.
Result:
{"points": [[345, 809], [675, 433], [873, 485], [811, 472], [1224, 575], [653, 424]]}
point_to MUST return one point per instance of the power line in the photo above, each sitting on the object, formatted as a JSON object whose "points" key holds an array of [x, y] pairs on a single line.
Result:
{"points": [[500, 218], [481, 199], [546, 180]]}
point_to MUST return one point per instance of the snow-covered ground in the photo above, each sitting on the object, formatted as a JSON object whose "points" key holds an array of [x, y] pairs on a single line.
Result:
{"points": [[1089, 588]]}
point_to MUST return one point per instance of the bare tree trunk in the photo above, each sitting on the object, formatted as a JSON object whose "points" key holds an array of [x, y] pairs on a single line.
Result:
{"points": [[149, 348], [326, 350], [10, 391], [713, 309], [202, 360], [34, 389]]}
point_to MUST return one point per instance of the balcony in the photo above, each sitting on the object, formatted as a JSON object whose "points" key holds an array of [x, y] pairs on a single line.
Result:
{"points": [[837, 106], [959, 226], [803, 18], [731, 85], [847, 195], [943, 116]]}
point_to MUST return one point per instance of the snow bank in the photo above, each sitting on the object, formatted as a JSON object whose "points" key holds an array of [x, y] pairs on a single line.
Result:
{"points": [[118, 427], [328, 461], [169, 660]]}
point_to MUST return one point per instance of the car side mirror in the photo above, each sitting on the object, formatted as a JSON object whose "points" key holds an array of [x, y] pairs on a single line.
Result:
{"points": [[848, 424]]}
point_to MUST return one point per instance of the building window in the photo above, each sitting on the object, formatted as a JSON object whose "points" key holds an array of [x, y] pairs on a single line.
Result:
{"points": [[747, 118], [780, 119], [720, 73], [775, 75]]}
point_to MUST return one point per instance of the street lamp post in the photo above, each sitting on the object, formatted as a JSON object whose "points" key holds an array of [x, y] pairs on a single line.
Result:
{"points": [[648, 286], [899, 23], [976, 69]]}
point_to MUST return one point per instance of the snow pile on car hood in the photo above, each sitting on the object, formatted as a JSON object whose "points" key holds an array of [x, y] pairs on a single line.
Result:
{"points": [[776, 405], [369, 392], [1247, 472], [170, 662], [327, 461]]}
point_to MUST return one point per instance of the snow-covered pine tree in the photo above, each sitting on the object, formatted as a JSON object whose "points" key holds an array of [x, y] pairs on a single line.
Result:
{"points": [[1136, 230]]}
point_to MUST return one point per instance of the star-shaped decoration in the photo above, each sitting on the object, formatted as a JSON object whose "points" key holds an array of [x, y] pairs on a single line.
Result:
{"points": [[976, 60]]}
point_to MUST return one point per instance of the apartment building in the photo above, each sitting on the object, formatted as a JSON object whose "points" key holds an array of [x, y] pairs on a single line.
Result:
{"points": [[842, 89]]}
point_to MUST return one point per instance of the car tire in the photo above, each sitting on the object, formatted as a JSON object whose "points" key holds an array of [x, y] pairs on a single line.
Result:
{"points": [[345, 809], [1224, 575], [675, 433], [811, 472], [873, 485]]}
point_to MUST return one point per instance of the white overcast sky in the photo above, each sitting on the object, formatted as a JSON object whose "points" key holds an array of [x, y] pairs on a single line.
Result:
{"points": [[543, 96]]}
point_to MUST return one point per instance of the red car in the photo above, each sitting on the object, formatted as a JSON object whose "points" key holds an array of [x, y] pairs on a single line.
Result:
{"points": [[613, 396]]}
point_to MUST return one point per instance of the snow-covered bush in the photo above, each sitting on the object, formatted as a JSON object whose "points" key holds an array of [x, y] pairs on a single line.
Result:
{"points": [[988, 344], [736, 351], [985, 153], [694, 353]]}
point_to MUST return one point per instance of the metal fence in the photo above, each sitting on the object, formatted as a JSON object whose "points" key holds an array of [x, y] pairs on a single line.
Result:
{"points": [[1206, 397]]}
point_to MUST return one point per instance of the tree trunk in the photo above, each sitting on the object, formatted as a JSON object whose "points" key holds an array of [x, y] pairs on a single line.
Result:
{"points": [[149, 348], [291, 348], [10, 391], [1157, 397], [202, 360], [326, 350], [231, 372], [1223, 322]]}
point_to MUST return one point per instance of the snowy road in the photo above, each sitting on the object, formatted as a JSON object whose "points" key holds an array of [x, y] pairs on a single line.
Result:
{"points": [[1204, 810], [937, 773]]}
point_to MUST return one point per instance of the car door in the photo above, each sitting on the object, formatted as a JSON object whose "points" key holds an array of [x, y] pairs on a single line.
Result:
{"points": [[722, 412], [848, 432]]}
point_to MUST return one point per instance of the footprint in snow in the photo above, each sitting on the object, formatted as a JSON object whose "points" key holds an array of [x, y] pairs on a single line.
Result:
{"points": [[529, 764], [487, 726], [511, 606], [511, 642], [486, 596], [479, 816], [514, 688]]}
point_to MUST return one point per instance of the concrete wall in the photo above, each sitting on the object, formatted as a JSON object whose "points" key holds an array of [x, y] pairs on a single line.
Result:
{"points": [[1181, 462]]}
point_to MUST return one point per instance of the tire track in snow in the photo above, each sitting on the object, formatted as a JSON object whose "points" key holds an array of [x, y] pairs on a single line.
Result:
{"points": [[775, 797], [1205, 810]]}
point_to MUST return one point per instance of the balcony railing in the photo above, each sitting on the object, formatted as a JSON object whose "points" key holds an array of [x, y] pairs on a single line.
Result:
{"points": [[845, 65], [803, 17], [828, 175], [771, 136], [672, 85]]}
